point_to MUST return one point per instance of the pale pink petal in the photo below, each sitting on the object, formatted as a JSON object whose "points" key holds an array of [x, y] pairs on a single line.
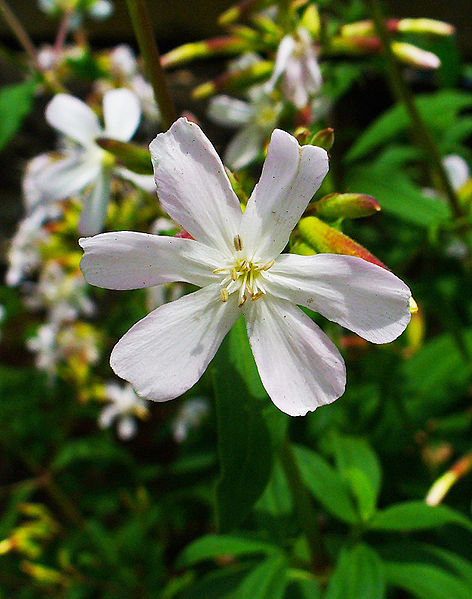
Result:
{"points": [[300, 367], [284, 52], [121, 113], [290, 177], [107, 415], [127, 428], [361, 296], [67, 176], [294, 83], [245, 147], [145, 182], [129, 260], [95, 207], [165, 353], [73, 118], [230, 112], [193, 187]]}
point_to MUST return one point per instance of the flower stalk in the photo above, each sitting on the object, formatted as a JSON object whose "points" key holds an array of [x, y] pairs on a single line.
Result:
{"points": [[404, 96], [303, 507], [142, 26], [20, 33]]}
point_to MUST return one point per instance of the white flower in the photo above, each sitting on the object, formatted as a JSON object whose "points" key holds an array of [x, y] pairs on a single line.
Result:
{"points": [[88, 165], [189, 416], [457, 170], [297, 65], [125, 404], [97, 9], [255, 119], [44, 345], [235, 257]]}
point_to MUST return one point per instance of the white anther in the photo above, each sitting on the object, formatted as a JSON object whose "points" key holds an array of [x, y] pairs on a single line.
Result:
{"points": [[238, 244]]}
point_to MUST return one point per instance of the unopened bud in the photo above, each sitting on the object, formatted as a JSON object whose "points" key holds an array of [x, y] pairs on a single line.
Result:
{"points": [[414, 56], [205, 48], [428, 26], [302, 135], [130, 155], [302, 248], [325, 239], [234, 13], [236, 81], [442, 485], [358, 29], [311, 20], [323, 139], [354, 45], [344, 205]]}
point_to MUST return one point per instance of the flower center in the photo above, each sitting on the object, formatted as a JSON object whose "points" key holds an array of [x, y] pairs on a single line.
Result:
{"points": [[243, 276]]}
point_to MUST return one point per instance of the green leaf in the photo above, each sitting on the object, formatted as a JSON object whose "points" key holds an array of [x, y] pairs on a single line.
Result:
{"points": [[397, 195], [213, 546], [244, 442], [360, 466], [327, 485], [417, 515], [267, 581], [426, 582], [16, 102], [439, 110], [302, 585], [96, 449], [443, 362], [219, 584], [359, 574]]}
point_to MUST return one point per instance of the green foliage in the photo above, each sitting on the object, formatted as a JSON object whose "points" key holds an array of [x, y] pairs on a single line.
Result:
{"points": [[16, 102]]}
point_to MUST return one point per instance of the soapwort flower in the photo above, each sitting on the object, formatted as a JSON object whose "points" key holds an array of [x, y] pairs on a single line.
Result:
{"points": [[297, 66], [123, 407], [236, 258], [86, 164]]}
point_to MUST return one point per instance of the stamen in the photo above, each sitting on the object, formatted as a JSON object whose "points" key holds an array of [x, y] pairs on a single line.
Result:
{"points": [[238, 244], [224, 294], [218, 270], [241, 301], [249, 291], [268, 265], [257, 295], [234, 274]]}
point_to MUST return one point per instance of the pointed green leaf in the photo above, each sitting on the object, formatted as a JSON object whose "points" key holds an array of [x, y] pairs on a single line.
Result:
{"points": [[417, 515], [16, 102], [359, 574], [244, 441], [267, 581], [425, 581]]}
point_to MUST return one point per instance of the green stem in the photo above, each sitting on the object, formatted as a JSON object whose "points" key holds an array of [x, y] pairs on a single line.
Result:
{"points": [[20, 33], [142, 26], [404, 96], [303, 507]]}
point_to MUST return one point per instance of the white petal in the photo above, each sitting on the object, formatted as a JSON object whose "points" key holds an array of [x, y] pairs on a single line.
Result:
{"points": [[361, 296], [290, 177], [284, 52], [73, 118], [294, 83], [127, 428], [122, 113], [245, 147], [300, 367], [166, 352], [457, 170], [193, 187], [95, 207], [145, 182], [230, 112], [107, 415], [67, 176], [129, 260]]}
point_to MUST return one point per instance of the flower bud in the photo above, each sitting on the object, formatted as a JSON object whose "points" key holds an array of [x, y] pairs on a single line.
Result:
{"points": [[428, 26], [358, 29], [205, 48], [237, 12], [344, 205], [354, 45], [326, 239], [311, 20], [442, 485], [323, 139], [302, 249], [128, 154], [235, 81], [414, 56]]}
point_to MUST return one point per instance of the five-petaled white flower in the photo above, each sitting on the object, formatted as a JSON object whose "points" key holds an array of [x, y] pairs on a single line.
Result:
{"points": [[236, 258], [297, 65], [123, 407], [86, 163]]}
